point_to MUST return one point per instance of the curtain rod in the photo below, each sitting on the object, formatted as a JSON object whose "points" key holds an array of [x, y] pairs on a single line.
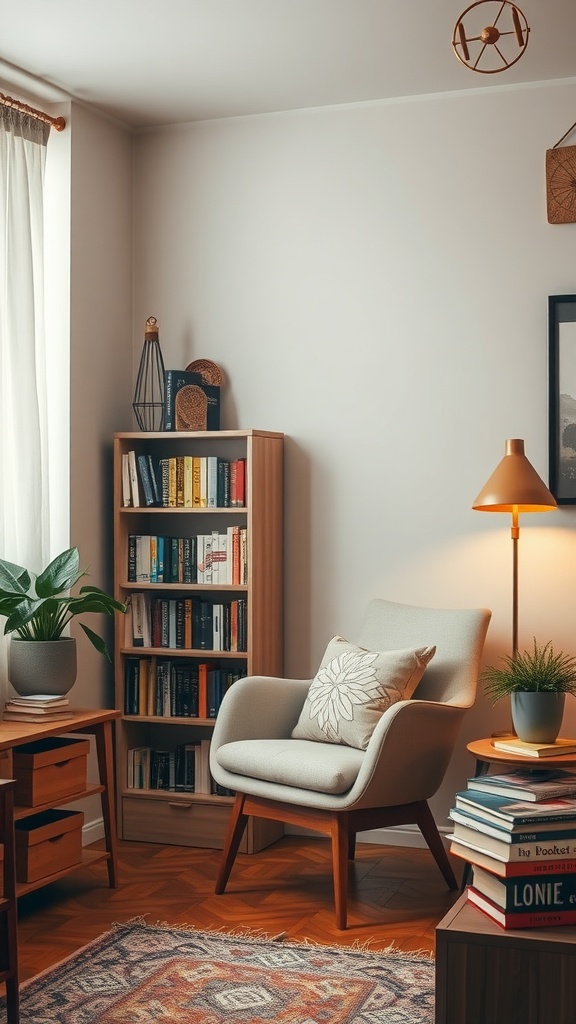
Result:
{"points": [[55, 122]]}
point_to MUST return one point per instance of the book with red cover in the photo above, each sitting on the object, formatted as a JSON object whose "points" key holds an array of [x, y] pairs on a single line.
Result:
{"points": [[523, 919], [512, 869]]}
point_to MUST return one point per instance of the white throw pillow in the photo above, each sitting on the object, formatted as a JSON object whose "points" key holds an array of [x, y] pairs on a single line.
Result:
{"points": [[354, 687]]}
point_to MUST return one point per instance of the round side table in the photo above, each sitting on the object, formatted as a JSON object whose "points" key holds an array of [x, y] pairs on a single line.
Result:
{"points": [[486, 754]]}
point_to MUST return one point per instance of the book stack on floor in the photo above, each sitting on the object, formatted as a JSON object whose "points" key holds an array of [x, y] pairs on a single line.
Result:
{"points": [[518, 832], [37, 708]]}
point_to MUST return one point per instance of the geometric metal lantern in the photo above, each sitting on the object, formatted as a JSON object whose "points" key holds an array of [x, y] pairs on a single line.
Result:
{"points": [[148, 404], [498, 45]]}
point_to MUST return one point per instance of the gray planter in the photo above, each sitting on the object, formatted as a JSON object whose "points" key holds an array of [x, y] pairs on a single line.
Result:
{"points": [[38, 666], [537, 717]]}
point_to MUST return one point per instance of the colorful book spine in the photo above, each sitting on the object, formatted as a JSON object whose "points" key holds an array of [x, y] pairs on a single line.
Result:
{"points": [[511, 919]]}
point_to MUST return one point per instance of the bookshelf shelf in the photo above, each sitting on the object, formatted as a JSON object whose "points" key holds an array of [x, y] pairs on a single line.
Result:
{"points": [[173, 665]]}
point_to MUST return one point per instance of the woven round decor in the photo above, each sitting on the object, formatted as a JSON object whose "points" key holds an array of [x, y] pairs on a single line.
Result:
{"points": [[191, 408], [209, 371]]}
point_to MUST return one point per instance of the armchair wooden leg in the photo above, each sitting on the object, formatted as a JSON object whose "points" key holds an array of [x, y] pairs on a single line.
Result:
{"points": [[235, 831], [340, 850], [428, 828], [351, 844]]}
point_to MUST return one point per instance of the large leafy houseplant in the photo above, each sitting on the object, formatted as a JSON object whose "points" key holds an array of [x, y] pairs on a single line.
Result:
{"points": [[38, 608]]}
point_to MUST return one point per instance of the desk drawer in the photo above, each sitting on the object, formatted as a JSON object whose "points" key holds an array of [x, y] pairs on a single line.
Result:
{"points": [[48, 842], [49, 770]]}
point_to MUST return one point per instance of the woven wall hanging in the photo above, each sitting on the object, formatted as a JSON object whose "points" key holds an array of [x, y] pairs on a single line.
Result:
{"points": [[561, 182]]}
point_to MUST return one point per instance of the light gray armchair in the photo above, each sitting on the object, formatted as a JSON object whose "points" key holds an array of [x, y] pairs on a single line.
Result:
{"points": [[340, 790]]}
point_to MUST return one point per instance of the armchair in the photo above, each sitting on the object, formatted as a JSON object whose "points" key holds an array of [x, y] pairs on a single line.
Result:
{"points": [[340, 790]]}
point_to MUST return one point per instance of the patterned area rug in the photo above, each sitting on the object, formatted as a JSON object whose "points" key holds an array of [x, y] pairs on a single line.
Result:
{"points": [[139, 974]]}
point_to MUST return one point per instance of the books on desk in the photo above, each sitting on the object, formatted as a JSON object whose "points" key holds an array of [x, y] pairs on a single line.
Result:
{"points": [[37, 709], [522, 851]]}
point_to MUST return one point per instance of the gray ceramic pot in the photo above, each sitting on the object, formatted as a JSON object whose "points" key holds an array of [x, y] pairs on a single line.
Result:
{"points": [[42, 666], [537, 717]]}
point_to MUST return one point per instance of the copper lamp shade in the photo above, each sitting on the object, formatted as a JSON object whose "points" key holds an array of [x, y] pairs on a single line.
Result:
{"points": [[515, 487], [514, 484]]}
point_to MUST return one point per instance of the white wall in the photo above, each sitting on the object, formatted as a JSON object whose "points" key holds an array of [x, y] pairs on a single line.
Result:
{"points": [[100, 359], [100, 375], [373, 280]]}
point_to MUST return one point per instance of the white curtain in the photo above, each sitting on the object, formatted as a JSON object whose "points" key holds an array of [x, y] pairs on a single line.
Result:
{"points": [[24, 506]]}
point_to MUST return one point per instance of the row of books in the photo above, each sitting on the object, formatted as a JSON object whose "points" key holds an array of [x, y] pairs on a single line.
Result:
{"points": [[186, 623], [159, 687], [183, 481], [186, 769], [211, 559], [518, 831], [37, 708]]}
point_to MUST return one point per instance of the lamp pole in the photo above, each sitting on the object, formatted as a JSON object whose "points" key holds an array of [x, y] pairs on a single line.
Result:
{"points": [[515, 534]]}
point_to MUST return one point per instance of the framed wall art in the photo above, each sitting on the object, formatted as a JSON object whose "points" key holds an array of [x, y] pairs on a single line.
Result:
{"points": [[562, 397]]}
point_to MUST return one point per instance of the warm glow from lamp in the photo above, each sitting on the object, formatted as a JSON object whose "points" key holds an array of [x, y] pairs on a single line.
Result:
{"points": [[515, 487]]}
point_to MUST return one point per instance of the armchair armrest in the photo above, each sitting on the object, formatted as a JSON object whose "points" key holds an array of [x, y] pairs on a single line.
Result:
{"points": [[408, 753], [259, 707]]}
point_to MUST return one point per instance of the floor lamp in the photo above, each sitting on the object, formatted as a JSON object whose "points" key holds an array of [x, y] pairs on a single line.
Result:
{"points": [[514, 487]]}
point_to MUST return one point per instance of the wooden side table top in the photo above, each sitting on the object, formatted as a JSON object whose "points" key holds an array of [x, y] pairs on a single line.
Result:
{"points": [[464, 922], [484, 751], [14, 734]]}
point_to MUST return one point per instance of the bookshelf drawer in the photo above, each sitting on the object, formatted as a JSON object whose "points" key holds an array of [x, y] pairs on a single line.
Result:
{"points": [[179, 821], [49, 770], [175, 819], [48, 842]]}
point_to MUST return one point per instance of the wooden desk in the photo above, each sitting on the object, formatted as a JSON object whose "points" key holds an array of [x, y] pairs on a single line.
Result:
{"points": [[485, 975], [99, 724], [8, 909]]}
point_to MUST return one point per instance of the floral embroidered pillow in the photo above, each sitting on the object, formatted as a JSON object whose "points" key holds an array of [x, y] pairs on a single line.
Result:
{"points": [[354, 687]]}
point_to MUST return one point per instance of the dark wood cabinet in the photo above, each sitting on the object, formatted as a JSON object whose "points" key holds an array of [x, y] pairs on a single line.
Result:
{"points": [[486, 975]]}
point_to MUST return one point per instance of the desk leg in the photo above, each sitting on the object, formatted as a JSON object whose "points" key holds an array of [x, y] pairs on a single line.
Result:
{"points": [[103, 735], [481, 769], [9, 955]]}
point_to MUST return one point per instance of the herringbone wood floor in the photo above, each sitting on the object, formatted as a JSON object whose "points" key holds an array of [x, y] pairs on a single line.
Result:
{"points": [[396, 896]]}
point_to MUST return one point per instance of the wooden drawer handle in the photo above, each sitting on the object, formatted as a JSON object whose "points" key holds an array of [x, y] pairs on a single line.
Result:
{"points": [[56, 839], [180, 806], [62, 764]]}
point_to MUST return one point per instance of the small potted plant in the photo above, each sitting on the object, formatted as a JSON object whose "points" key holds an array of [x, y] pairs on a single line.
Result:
{"points": [[37, 610], [537, 682]]}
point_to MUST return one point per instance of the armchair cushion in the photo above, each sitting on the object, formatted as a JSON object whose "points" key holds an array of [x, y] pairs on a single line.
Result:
{"points": [[299, 763], [354, 687]]}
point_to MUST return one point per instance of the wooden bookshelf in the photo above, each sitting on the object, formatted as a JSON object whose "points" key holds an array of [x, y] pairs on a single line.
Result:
{"points": [[183, 817]]}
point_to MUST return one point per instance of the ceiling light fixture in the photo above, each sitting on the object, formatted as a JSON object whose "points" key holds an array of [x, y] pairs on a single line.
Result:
{"points": [[498, 45]]}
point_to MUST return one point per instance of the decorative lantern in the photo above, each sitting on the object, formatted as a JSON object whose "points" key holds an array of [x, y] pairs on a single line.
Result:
{"points": [[148, 401], [498, 45]]}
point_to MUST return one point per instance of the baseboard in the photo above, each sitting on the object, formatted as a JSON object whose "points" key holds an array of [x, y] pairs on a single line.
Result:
{"points": [[405, 835], [92, 831]]}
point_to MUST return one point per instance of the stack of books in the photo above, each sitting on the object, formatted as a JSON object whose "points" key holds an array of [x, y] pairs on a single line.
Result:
{"points": [[38, 708], [514, 745], [518, 831]]}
